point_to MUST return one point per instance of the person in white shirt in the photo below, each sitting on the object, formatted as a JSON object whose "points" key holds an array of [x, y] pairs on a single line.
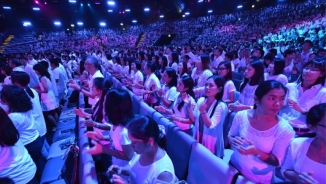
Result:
{"points": [[304, 94], [15, 65], [29, 70], [305, 161], [254, 75], [59, 78], [306, 51], [224, 70], [200, 75], [259, 137], [6, 71], [92, 67], [275, 71], [21, 114], [210, 113], [152, 83], [182, 106], [147, 141], [31, 60], [168, 92], [118, 109], [136, 81], [16, 163], [217, 59]]}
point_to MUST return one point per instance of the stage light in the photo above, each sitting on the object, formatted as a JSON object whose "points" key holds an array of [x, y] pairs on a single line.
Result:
{"points": [[36, 9], [26, 24], [127, 10], [36, 2], [80, 23], [210, 11], [6, 8], [121, 24], [111, 3], [72, 1], [57, 23], [240, 6], [146, 9], [187, 13], [161, 16], [72, 25], [134, 21], [102, 24]]}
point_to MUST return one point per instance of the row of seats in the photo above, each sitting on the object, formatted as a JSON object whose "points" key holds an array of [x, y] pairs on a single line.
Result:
{"points": [[192, 161]]}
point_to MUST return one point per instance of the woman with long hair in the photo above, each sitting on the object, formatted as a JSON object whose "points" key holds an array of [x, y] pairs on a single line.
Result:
{"points": [[118, 111], [275, 71], [224, 70], [151, 163], [254, 75], [200, 75], [168, 92], [210, 114], [20, 112], [183, 105], [259, 137], [16, 163], [304, 94]]}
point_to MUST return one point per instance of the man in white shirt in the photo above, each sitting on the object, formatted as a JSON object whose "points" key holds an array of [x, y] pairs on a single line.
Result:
{"points": [[34, 81], [217, 59], [92, 67], [15, 65], [31, 60], [59, 78]]}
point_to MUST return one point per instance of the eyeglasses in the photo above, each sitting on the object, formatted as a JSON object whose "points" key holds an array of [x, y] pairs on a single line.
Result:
{"points": [[220, 69], [312, 69]]}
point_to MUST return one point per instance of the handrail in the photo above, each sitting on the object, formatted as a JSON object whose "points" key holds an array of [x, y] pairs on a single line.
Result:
{"points": [[16, 44]]}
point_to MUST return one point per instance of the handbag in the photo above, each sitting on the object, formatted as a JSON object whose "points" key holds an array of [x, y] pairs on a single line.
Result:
{"points": [[69, 171]]}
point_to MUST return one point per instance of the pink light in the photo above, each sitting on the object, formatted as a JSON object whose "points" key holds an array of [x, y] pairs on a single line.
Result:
{"points": [[97, 2], [45, 3], [36, 2]]}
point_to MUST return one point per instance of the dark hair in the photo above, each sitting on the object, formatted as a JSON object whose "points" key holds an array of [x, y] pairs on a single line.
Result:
{"points": [[227, 65], [230, 55], [279, 65], [258, 77], [23, 79], [9, 135], [184, 68], [45, 64], [138, 65], [316, 114], [6, 181], [104, 85], [165, 63], [42, 70], [95, 62], [220, 82], [118, 106], [205, 61], [55, 61], [151, 65], [309, 42], [319, 63], [15, 61], [7, 69], [144, 128], [16, 98], [265, 86], [173, 75], [188, 82], [288, 52], [175, 58]]}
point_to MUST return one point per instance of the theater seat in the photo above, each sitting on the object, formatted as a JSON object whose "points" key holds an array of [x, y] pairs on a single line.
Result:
{"points": [[59, 148], [204, 167], [52, 170], [227, 126], [179, 146]]}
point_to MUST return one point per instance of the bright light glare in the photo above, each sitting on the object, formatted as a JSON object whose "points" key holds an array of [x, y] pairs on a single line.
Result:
{"points": [[57, 23], [79, 23], [36, 9], [72, 1], [134, 21], [6, 8], [161, 16], [240, 6], [127, 10], [187, 13], [210, 11], [102, 24], [110, 10], [111, 3], [26, 24], [146, 9]]}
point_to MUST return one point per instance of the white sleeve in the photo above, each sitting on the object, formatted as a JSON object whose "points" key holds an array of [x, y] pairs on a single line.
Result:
{"points": [[235, 127], [124, 139], [216, 118], [282, 142]]}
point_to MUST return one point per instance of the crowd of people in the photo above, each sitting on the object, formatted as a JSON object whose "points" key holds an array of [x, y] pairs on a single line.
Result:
{"points": [[271, 76]]}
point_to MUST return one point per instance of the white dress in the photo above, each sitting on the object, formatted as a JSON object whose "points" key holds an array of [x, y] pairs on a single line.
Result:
{"points": [[247, 95], [48, 100], [228, 88], [275, 141], [297, 160]]}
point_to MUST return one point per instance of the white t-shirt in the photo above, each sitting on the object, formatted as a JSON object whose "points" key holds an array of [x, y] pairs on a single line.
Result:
{"points": [[58, 75], [169, 93], [297, 160], [152, 83], [119, 137], [280, 77], [7, 81], [16, 163], [307, 99], [40, 124], [25, 124], [247, 95], [228, 88], [138, 77], [182, 113], [275, 141], [148, 174], [34, 81], [92, 101]]}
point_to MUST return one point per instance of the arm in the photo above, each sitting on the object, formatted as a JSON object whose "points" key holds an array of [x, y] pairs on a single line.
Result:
{"points": [[44, 85], [231, 99], [126, 154]]}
